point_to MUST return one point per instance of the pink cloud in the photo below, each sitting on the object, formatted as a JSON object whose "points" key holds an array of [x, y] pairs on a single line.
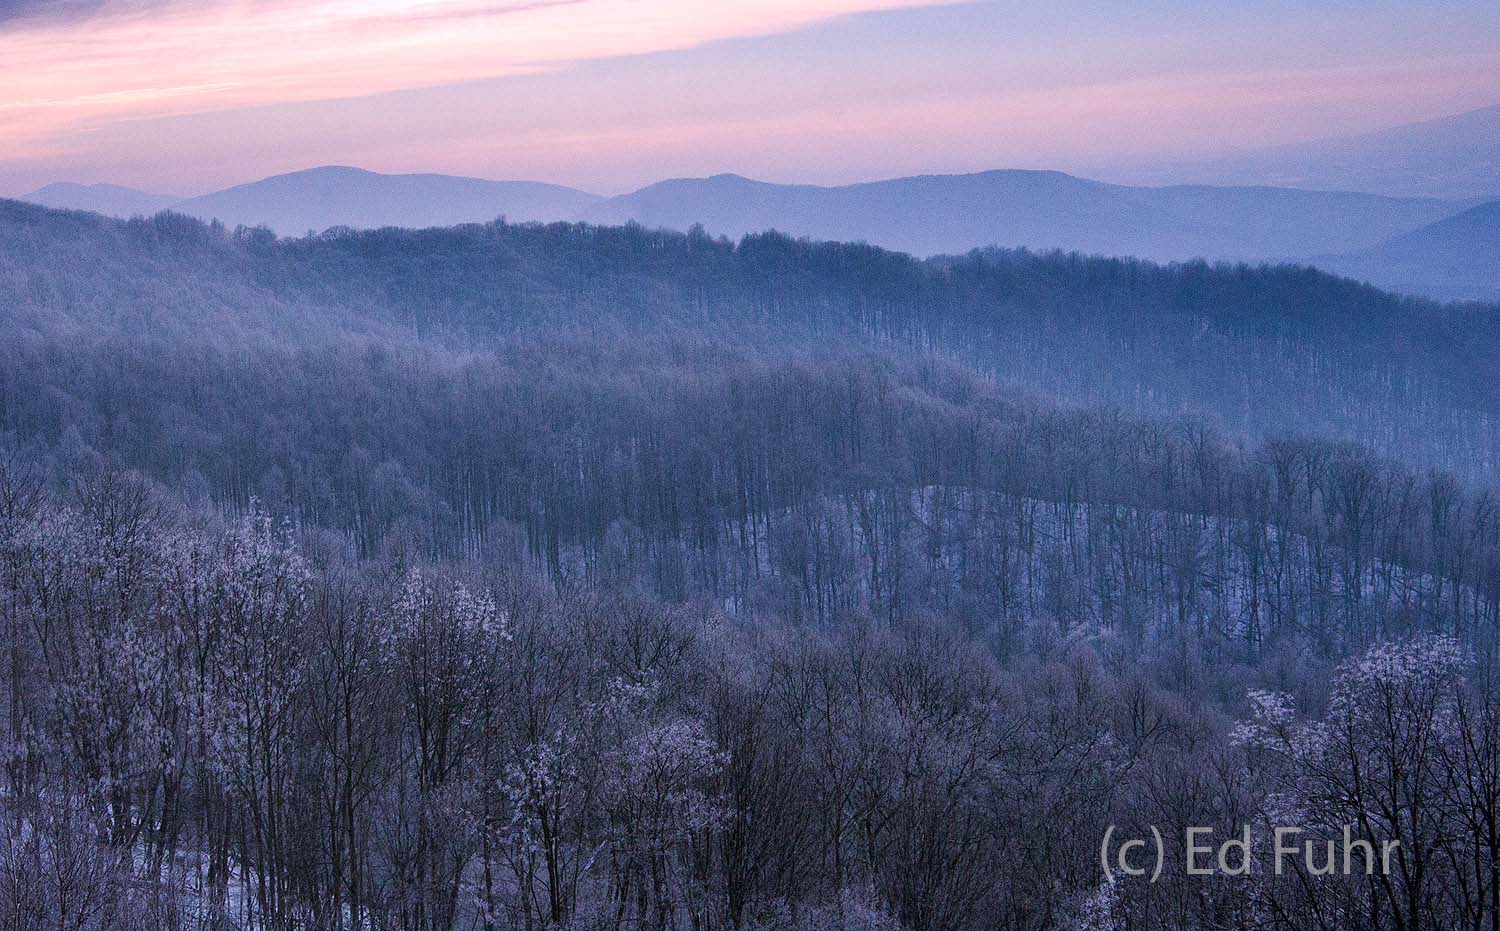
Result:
{"points": [[172, 58]]}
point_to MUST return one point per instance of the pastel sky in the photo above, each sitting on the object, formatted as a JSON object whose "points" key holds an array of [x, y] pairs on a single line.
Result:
{"points": [[185, 96]]}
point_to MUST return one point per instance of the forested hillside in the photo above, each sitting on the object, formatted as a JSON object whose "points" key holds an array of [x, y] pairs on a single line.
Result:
{"points": [[1255, 350], [568, 577]]}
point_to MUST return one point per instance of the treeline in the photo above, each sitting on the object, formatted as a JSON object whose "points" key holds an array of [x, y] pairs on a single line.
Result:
{"points": [[1255, 350]]}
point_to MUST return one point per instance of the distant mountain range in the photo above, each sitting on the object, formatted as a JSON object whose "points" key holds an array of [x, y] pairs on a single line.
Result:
{"points": [[1457, 258], [319, 198], [923, 215], [108, 199], [1430, 246], [1454, 157], [1038, 209]]}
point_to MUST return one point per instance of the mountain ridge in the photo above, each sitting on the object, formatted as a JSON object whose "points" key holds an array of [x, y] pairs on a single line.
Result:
{"points": [[1039, 209], [1450, 157], [1456, 258], [923, 215], [108, 199], [338, 195]]}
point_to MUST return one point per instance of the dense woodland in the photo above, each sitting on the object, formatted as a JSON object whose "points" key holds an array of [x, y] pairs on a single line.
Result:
{"points": [[563, 577]]}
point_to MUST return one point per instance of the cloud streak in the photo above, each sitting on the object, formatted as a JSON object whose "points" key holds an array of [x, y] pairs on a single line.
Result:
{"points": [[111, 61], [12, 11]]}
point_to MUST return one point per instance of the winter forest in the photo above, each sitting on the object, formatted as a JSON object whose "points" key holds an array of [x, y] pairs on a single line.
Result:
{"points": [[577, 578]]}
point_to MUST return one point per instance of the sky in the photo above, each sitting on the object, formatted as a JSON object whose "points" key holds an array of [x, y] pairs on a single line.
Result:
{"points": [[187, 96]]}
